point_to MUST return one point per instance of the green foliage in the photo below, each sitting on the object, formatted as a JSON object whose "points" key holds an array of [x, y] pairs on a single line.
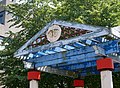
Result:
{"points": [[55, 81], [15, 75], [33, 16], [92, 81], [95, 12], [116, 80]]}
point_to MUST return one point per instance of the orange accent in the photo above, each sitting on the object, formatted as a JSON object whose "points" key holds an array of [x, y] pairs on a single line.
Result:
{"points": [[33, 75], [105, 64]]}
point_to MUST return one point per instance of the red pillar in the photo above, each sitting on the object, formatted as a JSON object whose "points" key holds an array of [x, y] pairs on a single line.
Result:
{"points": [[105, 66], [33, 77], [78, 83]]}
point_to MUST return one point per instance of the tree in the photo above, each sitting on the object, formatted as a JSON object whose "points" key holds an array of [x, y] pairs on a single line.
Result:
{"points": [[33, 16]]}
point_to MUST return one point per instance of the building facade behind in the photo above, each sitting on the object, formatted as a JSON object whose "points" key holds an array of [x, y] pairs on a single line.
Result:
{"points": [[5, 17]]}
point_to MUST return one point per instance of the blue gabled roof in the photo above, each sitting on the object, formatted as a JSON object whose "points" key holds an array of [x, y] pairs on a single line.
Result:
{"points": [[76, 54]]}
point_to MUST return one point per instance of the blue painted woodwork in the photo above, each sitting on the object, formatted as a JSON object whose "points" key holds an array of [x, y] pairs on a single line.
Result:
{"points": [[93, 70], [83, 52], [74, 54], [94, 32], [77, 61], [71, 59]]}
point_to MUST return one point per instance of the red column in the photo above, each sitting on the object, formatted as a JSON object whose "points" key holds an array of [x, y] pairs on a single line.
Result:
{"points": [[33, 77], [105, 66], [78, 83]]}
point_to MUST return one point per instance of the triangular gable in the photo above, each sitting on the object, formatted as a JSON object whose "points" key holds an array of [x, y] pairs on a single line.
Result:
{"points": [[88, 32], [77, 49]]}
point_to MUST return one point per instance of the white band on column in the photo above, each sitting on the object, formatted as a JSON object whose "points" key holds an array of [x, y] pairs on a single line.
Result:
{"points": [[33, 84], [106, 79]]}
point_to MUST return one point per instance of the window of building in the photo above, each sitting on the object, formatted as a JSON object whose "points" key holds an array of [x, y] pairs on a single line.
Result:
{"points": [[2, 14], [23, 1], [12, 0]]}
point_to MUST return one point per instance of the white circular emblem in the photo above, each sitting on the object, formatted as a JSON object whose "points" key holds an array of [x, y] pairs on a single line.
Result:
{"points": [[53, 33]]}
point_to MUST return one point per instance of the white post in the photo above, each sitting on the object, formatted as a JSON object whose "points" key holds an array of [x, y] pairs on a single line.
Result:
{"points": [[106, 79], [33, 77], [79, 87], [33, 84], [105, 66]]}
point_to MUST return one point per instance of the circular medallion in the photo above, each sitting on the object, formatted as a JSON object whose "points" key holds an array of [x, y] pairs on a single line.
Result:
{"points": [[53, 33]]}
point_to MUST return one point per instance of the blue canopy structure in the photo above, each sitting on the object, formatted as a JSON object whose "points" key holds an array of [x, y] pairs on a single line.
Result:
{"points": [[75, 52]]}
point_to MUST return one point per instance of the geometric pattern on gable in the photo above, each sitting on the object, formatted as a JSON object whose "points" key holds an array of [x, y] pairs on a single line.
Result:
{"points": [[77, 49], [70, 52], [73, 31], [67, 32]]}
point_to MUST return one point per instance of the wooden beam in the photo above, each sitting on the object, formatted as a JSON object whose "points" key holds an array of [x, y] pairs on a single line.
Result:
{"points": [[64, 42], [48, 69], [78, 25], [21, 50], [97, 32], [75, 54], [58, 71], [116, 31], [77, 58]]}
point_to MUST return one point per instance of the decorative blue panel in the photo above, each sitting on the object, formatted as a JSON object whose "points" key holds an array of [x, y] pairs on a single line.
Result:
{"points": [[75, 54]]}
